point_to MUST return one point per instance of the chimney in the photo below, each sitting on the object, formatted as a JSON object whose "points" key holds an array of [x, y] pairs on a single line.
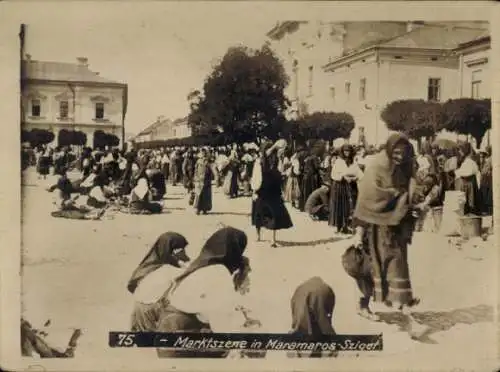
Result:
{"points": [[412, 25], [83, 61]]}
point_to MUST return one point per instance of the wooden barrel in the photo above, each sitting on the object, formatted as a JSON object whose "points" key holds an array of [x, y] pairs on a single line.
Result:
{"points": [[470, 226]]}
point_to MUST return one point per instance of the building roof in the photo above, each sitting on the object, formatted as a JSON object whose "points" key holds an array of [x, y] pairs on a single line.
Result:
{"points": [[282, 28], [62, 71], [426, 37], [484, 38], [434, 37], [152, 127]]}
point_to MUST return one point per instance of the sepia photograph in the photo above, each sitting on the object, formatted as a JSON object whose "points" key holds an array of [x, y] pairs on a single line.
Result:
{"points": [[271, 188]]}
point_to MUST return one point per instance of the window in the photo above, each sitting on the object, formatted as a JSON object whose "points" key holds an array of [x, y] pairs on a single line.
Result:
{"points": [[36, 107], [434, 89], [99, 110], [362, 89], [332, 93], [476, 84], [347, 88], [310, 80], [63, 109]]}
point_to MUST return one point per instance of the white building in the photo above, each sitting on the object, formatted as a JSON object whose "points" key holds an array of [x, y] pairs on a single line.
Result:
{"points": [[163, 129], [420, 64], [57, 95], [305, 47]]}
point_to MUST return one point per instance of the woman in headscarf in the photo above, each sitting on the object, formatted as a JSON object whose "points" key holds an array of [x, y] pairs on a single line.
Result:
{"points": [[311, 176], [385, 223], [344, 189], [188, 170], [204, 298], [232, 175], [268, 208], [152, 278], [312, 307], [44, 162], [486, 189], [467, 177], [141, 196], [247, 161], [67, 204], [203, 177], [165, 164], [292, 177]]}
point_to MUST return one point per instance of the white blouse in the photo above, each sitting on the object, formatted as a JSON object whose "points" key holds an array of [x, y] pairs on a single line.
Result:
{"points": [[209, 293], [153, 286], [340, 169], [256, 181], [468, 168]]}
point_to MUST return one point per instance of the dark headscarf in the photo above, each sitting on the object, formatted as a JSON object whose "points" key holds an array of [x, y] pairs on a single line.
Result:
{"points": [[312, 308], [401, 174], [225, 247], [376, 203], [161, 253], [349, 160]]}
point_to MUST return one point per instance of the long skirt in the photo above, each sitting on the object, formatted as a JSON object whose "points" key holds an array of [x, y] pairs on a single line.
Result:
{"points": [[145, 317], [203, 198], [390, 274], [173, 172], [342, 202], [270, 214], [486, 195], [172, 320], [43, 167], [309, 183], [165, 168], [469, 186], [292, 191]]}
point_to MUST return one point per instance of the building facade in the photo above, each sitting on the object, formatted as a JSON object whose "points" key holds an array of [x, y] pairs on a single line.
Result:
{"points": [[56, 96], [163, 129], [305, 47], [420, 64]]}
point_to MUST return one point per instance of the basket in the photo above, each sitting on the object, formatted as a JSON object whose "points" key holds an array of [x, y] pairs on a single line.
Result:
{"points": [[470, 226]]}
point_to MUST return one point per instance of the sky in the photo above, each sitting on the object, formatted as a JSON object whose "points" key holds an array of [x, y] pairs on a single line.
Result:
{"points": [[161, 52]]}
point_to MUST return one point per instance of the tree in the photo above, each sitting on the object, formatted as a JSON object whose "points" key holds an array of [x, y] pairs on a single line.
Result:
{"points": [[468, 116], [25, 136], [416, 118], [39, 137], [320, 125], [242, 97], [103, 140]]}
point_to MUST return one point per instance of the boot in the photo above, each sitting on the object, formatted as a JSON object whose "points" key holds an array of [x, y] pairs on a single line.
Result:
{"points": [[364, 310]]}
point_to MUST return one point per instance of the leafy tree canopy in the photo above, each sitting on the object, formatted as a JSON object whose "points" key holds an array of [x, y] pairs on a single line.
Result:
{"points": [[242, 97], [468, 116]]}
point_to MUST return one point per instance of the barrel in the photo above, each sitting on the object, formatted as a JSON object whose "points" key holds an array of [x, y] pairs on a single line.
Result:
{"points": [[437, 218], [470, 226]]}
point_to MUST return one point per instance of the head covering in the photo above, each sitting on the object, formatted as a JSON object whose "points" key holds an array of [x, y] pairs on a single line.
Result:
{"points": [[161, 253], [377, 203], [225, 247], [142, 188], [312, 308], [348, 159]]}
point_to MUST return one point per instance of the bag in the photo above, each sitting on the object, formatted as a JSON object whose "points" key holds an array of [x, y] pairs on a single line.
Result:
{"points": [[191, 198], [356, 262]]}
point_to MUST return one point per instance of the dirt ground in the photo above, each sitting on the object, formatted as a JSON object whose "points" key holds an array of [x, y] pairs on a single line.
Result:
{"points": [[75, 273]]}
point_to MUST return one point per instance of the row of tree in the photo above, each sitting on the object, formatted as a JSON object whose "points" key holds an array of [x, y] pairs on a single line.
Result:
{"points": [[38, 137], [423, 119]]}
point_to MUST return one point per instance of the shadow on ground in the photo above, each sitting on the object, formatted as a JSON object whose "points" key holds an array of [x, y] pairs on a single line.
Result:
{"points": [[309, 243], [439, 321], [229, 214]]}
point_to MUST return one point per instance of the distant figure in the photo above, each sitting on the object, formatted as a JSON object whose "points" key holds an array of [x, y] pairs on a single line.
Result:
{"points": [[312, 306]]}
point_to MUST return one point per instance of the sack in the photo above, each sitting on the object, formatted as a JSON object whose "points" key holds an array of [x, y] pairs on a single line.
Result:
{"points": [[356, 262], [191, 198]]}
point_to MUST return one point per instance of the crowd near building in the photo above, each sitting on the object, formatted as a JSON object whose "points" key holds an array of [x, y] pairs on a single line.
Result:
{"points": [[60, 96]]}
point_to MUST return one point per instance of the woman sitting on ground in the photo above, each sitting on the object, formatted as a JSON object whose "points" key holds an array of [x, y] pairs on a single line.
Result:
{"points": [[153, 277]]}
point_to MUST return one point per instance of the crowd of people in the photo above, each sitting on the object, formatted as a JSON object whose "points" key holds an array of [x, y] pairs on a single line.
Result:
{"points": [[375, 196]]}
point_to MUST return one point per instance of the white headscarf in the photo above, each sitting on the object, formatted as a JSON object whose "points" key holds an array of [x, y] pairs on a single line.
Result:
{"points": [[142, 188]]}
